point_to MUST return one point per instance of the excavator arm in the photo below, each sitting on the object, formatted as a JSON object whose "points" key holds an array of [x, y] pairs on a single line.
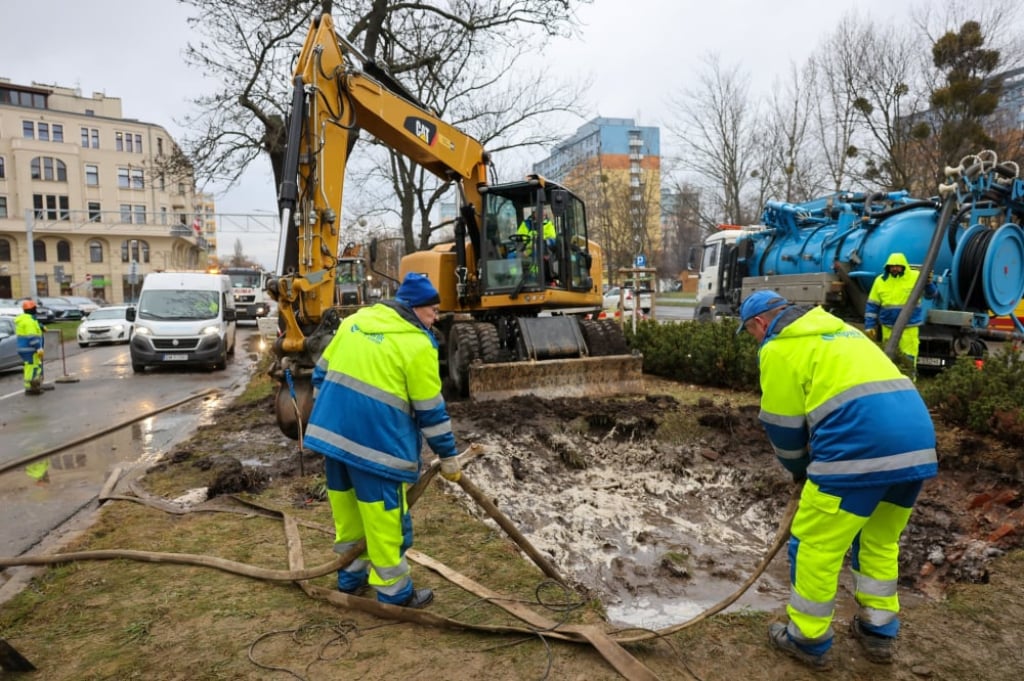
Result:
{"points": [[334, 96]]}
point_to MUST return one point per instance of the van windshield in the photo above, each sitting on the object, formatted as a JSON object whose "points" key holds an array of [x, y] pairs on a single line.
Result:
{"points": [[179, 305]]}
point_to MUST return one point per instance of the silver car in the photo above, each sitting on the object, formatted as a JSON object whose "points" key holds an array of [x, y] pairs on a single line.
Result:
{"points": [[105, 325], [9, 358]]}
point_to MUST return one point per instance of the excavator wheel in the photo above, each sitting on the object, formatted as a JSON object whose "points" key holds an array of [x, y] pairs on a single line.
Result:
{"points": [[604, 337], [463, 350], [490, 344]]}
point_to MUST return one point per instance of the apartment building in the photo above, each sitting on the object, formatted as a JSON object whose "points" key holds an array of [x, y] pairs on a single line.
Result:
{"points": [[614, 165], [91, 201]]}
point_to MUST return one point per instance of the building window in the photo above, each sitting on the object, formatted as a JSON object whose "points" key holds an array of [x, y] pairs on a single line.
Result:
{"points": [[63, 251], [119, 141], [123, 178], [92, 175], [95, 251], [3, 206], [49, 169], [2, 171], [138, 143], [137, 179], [140, 215], [5, 249], [128, 142], [58, 132], [32, 100], [95, 214], [126, 213], [85, 138], [28, 130], [159, 146], [39, 250], [163, 215], [134, 249], [51, 207], [43, 132], [94, 136]]}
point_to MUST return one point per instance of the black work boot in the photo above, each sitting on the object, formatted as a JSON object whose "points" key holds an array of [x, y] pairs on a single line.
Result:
{"points": [[420, 598], [780, 639], [877, 648]]}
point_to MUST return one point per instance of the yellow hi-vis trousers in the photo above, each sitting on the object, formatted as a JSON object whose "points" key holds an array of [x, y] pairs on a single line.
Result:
{"points": [[823, 531], [33, 373], [367, 506], [910, 341]]}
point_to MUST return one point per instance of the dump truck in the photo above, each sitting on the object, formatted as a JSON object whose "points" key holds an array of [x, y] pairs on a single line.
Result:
{"points": [[967, 240], [513, 303]]}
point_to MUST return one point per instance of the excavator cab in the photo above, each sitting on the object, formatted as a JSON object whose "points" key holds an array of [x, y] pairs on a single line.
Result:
{"points": [[535, 238]]}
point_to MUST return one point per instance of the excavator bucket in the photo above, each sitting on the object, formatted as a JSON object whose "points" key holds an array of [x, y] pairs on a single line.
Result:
{"points": [[572, 377]]}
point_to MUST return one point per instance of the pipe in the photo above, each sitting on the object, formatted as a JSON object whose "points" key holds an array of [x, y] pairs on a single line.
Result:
{"points": [[926, 268]]}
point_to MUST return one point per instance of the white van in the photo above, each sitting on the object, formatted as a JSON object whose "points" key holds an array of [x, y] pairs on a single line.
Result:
{"points": [[183, 318]]}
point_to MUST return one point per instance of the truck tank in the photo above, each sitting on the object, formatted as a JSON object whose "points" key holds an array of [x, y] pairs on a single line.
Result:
{"points": [[829, 250]]}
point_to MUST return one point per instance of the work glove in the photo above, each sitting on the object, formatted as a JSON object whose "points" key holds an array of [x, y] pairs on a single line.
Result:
{"points": [[39, 354], [451, 469], [874, 333]]}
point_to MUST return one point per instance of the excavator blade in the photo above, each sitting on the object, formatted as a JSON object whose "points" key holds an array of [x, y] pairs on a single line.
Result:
{"points": [[574, 377]]}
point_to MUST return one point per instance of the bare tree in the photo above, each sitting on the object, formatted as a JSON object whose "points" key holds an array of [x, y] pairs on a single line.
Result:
{"points": [[791, 170], [717, 124], [834, 72]]}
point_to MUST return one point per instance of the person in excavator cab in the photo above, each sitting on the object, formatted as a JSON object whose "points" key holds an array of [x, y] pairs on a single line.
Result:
{"points": [[30, 347], [889, 293], [528, 232]]}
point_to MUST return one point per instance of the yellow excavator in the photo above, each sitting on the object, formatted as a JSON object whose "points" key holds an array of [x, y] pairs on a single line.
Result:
{"points": [[515, 294]]}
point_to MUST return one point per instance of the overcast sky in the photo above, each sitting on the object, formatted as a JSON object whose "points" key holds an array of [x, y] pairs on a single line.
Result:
{"points": [[637, 52]]}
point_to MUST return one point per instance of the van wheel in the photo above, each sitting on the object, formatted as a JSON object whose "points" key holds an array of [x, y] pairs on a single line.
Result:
{"points": [[138, 368]]}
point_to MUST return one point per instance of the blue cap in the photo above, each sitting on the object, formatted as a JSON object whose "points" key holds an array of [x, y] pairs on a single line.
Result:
{"points": [[758, 303], [417, 291]]}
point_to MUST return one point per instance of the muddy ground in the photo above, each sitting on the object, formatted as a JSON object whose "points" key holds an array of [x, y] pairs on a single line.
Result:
{"points": [[659, 506]]}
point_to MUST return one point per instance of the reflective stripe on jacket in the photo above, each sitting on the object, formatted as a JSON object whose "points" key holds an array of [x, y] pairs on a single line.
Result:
{"points": [[834, 406], [378, 392]]}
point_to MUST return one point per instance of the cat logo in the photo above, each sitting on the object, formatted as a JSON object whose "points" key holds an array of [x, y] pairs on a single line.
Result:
{"points": [[424, 130]]}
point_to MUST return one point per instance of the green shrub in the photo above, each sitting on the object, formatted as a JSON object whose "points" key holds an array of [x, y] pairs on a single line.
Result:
{"points": [[985, 399], [697, 352]]}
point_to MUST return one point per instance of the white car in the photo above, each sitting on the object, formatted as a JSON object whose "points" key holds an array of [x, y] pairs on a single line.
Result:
{"points": [[612, 298], [105, 325], [86, 305]]}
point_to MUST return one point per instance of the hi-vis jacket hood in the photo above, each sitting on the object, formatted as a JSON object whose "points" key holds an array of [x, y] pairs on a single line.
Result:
{"points": [[378, 393], [897, 259], [834, 406]]}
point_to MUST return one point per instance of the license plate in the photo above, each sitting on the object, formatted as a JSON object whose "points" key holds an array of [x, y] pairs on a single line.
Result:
{"points": [[175, 358], [930, 361]]}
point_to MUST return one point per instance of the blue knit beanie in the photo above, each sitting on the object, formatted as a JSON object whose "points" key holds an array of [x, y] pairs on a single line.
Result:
{"points": [[417, 291]]}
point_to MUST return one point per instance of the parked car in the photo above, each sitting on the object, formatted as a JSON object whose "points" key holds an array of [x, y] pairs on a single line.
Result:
{"points": [[10, 307], [612, 297], [43, 314], [106, 325], [9, 358], [86, 305], [63, 310]]}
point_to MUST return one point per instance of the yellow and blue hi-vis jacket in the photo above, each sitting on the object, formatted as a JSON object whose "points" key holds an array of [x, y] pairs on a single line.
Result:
{"points": [[836, 408], [377, 390]]}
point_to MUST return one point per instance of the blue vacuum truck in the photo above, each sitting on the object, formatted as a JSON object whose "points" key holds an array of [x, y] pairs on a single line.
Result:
{"points": [[968, 240]]}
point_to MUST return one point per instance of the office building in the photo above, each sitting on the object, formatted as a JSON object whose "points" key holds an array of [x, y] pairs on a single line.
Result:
{"points": [[91, 201]]}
